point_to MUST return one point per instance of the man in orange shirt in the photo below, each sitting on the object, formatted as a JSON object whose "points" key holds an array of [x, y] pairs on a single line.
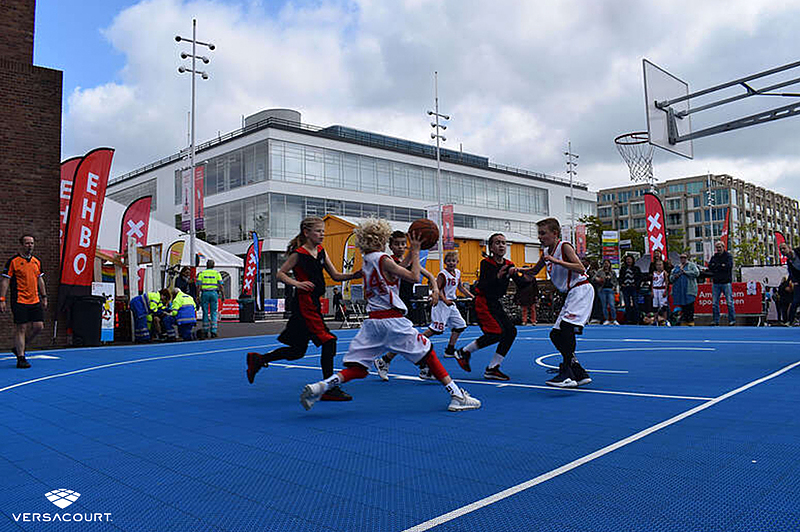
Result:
{"points": [[28, 296]]}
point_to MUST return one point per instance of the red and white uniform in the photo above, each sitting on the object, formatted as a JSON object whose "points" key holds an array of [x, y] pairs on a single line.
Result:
{"points": [[577, 307], [443, 315], [387, 328], [659, 289]]}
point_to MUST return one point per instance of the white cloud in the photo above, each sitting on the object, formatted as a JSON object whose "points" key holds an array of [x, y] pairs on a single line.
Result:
{"points": [[518, 78]]}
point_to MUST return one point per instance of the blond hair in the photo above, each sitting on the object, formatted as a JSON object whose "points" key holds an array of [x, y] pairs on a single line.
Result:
{"points": [[300, 239], [372, 235]]}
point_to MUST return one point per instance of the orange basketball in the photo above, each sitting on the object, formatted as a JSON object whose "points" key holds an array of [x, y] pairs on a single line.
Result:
{"points": [[427, 230]]}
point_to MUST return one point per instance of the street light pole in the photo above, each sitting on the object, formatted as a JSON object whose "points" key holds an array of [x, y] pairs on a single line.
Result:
{"points": [[204, 75], [437, 126], [571, 164]]}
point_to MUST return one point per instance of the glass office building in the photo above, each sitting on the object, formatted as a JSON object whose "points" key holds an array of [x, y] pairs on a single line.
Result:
{"points": [[269, 175]]}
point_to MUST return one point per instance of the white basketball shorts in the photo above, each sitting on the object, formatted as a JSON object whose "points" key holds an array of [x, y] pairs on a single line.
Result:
{"points": [[577, 308], [396, 335], [443, 316]]}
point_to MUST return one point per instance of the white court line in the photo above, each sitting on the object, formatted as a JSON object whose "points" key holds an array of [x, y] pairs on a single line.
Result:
{"points": [[126, 362], [482, 503], [539, 361], [515, 385]]}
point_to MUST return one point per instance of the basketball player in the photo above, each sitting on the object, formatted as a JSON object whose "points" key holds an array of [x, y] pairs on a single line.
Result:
{"points": [[569, 277], [397, 245], [660, 287], [387, 328], [495, 272], [446, 314], [307, 259]]}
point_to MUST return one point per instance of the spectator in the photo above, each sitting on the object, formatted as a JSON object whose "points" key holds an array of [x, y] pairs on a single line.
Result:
{"points": [[23, 272], [185, 284], [657, 255], [721, 269], [793, 263], [591, 270], [684, 287], [338, 309], [526, 296], [630, 279], [784, 295], [660, 287], [606, 280], [211, 292]]}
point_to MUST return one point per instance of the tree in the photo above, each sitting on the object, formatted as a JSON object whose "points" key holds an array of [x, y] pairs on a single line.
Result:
{"points": [[594, 235], [747, 248], [675, 241], [636, 238]]}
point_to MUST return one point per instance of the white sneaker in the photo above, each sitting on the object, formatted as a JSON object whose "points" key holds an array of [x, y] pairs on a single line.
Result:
{"points": [[425, 374], [311, 394], [615, 322], [467, 403], [607, 322], [383, 368]]}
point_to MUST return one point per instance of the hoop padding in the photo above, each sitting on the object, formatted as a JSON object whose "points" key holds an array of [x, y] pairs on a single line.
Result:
{"points": [[637, 152]]}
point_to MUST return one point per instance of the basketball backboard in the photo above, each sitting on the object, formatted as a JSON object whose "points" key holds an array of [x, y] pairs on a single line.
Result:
{"points": [[661, 86]]}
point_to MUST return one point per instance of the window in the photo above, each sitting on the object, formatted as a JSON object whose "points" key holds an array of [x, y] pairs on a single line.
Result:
{"points": [[676, 189], [695, 187], [607, 198], [624, 197], [674, 204], [637, 208], [638, 223], [697, 201], [698, 247], [674, 219], [604, 212], [623, 210], [622, 224]]}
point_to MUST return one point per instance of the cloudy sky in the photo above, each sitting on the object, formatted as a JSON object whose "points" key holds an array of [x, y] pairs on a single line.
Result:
{"points": [[519, 78]]}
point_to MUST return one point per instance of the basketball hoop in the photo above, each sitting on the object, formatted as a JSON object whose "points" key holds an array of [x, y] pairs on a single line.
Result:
{"points": [[636, 150]]}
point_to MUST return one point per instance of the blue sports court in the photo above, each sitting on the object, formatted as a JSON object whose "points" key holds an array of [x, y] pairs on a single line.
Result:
{"points": [[682, 429]]}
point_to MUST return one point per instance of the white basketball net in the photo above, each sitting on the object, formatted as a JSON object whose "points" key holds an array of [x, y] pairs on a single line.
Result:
{"points": [[637, 152]]}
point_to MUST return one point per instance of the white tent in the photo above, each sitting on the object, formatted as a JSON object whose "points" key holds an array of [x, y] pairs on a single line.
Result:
{"points": [[165, 234]]}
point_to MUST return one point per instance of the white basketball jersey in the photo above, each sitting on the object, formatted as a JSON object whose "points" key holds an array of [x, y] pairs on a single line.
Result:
{"points": [[380, 293], [563, 278], [451, 283], [660, 279]]}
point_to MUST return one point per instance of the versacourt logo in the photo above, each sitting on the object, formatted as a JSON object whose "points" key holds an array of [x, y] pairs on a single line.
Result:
{"points": [[61, 497]]}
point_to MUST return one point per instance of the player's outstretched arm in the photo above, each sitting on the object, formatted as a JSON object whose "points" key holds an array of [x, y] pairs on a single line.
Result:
{"points": [[335, 274]]}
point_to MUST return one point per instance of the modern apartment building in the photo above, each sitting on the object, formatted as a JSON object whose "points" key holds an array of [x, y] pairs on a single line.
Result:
{"points": [[686, 208]]}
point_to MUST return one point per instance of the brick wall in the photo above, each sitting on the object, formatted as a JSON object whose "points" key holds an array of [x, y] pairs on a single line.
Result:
{"points": [[30, 148], [16, 30]]}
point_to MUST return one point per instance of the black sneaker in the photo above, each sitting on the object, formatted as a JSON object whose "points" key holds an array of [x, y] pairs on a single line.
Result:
{"points": [[22, 363], [581, 375], [463, 359], [336, 394], [254, 363], [494, 374], [564, 379], [213, 335], [450, 351]]}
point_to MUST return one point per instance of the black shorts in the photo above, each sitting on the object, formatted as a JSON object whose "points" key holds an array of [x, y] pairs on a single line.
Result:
{"points": [[27, 313]]}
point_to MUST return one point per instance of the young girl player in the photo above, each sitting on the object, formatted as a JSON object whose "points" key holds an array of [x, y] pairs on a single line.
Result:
{"points": [[307, 259], [495, 272], [387, 328], [569, 277]]}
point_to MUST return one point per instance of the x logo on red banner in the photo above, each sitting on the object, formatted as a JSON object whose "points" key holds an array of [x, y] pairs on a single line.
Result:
{"points": [[657, 242], [654, 223], [135, 229]]}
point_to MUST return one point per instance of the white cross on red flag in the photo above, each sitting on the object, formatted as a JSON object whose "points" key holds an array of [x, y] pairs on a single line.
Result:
{"points": [[656, 226], [135, 223]]}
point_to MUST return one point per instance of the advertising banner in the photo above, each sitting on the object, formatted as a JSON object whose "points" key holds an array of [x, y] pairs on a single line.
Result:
{"points": [[135, 223], [106, 290], [251, 268], [611, 246], [68, 168], [724, 237], [199, 212], [656, 224], [186, 211], [83, 218], [448, 237], [580, 240], [746, 299], [348, 262], [780, 239]]}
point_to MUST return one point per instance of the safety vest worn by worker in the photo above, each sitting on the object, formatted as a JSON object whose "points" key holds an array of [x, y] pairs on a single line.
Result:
{"points": [[209, 279], [154, 302], [183, 308]]}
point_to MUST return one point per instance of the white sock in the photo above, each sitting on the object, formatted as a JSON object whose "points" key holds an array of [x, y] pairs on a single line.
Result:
{"points": [[472, 347], [497, 359], [332, 381], [454, 390]]}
